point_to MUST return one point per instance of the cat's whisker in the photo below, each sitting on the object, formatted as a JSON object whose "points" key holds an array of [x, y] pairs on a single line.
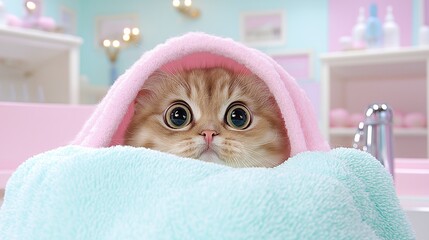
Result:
{"points": [[241, 150], [257, 157], [182, 153], [186, 149], [207, 92], [239, 155], [255, 161], [271, 140], [235, 161], [253, 152]]}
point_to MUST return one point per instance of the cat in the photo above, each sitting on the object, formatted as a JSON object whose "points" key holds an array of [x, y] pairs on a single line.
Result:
{"points": [[213, 115]]}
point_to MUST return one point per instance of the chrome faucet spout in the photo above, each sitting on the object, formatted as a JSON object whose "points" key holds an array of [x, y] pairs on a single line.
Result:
{"points": [[374, 135]]}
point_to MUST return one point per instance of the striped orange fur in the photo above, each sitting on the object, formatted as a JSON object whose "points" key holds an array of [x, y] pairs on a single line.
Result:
{"points": [[209, 94]]}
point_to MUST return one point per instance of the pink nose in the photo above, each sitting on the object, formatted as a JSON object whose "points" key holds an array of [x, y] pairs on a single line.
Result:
{"points": [[208, 135]]}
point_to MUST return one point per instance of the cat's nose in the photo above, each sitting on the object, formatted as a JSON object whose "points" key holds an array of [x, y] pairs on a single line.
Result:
{"points": [[208, 135]]}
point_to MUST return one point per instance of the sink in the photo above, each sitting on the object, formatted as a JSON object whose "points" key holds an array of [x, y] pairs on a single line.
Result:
{"points": [[412, 177], [412, 187]]}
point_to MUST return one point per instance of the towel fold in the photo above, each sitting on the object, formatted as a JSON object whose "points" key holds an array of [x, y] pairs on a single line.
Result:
{"points": [[135, 193]]}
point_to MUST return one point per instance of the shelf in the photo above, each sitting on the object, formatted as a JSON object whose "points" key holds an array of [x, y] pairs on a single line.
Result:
{"points": [[376, 56], [34, 61], [411, 132], [29, 47], [352, 80], [401, 63]]}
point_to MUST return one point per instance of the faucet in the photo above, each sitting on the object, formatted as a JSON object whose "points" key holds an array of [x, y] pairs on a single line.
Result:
{"points": [[374, 135]]}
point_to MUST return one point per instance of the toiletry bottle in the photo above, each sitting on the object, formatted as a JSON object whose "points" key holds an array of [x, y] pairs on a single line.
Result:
{"points": [[359, 30], [424, 35], [2, 14], [374, 32], [390, 30]]}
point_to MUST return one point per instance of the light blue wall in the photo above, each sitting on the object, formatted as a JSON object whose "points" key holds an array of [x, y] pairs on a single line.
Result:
{"points": [[417, 20], [51, 8], [306, 26]]}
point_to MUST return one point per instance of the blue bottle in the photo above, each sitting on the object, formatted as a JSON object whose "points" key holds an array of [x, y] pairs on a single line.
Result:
{"points": [[374, 30]]}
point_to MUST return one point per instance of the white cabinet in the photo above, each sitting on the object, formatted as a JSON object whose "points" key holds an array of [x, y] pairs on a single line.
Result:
{"points": [[37, 66], [399, 77]]}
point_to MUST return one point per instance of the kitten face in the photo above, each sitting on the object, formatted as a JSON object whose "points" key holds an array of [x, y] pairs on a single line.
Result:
{"points": [[210, 114]]}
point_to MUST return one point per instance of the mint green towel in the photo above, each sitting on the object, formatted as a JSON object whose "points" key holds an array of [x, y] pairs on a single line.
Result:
{"points": [[135, 193]]}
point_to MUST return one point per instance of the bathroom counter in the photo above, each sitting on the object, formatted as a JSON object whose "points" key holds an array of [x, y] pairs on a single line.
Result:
{"points": [[412, 186], [29, 129], [54, 125], [417, 210]]}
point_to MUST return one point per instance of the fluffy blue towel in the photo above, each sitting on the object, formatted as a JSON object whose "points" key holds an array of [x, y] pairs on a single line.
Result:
{"points": [[131, 193]]}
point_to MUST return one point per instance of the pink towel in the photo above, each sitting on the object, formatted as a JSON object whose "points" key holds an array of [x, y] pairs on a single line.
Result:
{"points": [[195, 50]]}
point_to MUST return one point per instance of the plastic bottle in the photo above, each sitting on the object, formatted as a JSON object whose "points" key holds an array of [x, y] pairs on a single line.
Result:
{"points": [[359, 30], [424, 36], [2, 14], [390, 30], [374, 31]]}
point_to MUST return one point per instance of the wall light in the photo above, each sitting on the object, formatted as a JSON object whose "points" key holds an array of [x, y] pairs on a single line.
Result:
{"points": [[30, 5], [185, 7], [113, 47], [131, 35], [33, 7]]}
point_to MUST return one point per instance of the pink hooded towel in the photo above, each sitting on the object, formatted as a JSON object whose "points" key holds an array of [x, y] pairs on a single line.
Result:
{"points": [[107, 124], [66, 193]]}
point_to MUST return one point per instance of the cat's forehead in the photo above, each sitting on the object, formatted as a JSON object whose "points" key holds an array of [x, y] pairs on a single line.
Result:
{"points": [[213, 83], [207, 88]]}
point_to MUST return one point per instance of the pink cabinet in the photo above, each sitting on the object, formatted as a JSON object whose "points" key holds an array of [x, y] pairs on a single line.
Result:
{"points": [[29, 129]]}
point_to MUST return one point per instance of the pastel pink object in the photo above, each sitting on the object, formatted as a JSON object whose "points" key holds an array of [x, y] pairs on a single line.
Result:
{"points": [[398, 119], [13, 21], [107, 124], [414, 120], [355, 119], [339, 117], [46, 23], [28, 129], [412, 177]]}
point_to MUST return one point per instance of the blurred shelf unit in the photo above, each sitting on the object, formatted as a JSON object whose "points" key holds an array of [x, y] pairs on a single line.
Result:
{"points": [[37, 66], [399, 77], [412, 132]]}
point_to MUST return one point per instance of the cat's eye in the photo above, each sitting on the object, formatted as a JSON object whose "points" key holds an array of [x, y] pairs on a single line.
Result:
{"points": [[178, 115], [238, 116]]}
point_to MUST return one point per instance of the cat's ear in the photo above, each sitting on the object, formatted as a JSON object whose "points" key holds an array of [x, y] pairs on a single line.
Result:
{"points": [[147, 93], [142, 98]]}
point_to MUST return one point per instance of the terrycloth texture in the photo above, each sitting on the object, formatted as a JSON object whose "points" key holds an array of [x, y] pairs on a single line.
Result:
{"points": [[130, 193], [193, 50]]}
